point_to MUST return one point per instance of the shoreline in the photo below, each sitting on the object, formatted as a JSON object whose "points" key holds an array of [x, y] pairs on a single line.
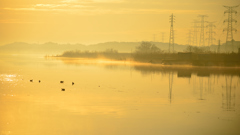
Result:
{"points": [[228, 60], [139, 63]]}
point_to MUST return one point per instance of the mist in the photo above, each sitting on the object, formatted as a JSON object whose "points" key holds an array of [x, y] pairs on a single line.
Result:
{"points": [[119, 67]]}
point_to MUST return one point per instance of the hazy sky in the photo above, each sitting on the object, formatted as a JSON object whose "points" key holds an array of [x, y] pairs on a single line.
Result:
{"points": [[93, 21]]}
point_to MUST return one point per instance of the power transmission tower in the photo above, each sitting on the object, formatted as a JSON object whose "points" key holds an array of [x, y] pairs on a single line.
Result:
{"points": [[163, 33], [218, 49], [195, 32], [171, 39], [210, 32], [190, 37], [229, 28], [202, 40], [154, 37]]}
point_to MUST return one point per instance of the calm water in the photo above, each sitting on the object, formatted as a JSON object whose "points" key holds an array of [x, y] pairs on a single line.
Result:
{"points": [[115, 98]]}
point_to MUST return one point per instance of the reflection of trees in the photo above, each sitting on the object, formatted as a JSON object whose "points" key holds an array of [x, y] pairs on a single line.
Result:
{"points": [[156, 69], [228, 96], [186, 71]]}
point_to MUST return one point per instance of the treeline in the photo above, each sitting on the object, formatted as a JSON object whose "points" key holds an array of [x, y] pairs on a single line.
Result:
{"points": [[147, 52], [108, 53], [200, 56]]}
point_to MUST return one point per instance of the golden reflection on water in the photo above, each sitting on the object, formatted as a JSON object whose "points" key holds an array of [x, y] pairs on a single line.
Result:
{"points": [[117, 98], [9, 78]]}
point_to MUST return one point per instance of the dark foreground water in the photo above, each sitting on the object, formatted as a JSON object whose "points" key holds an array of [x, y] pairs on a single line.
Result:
{"points": [[115, 98]]}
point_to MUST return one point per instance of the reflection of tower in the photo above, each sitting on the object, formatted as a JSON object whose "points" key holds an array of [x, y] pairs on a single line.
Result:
{"points": [[201, 88], [228, 96], [194, 83], [210, 84], [229, 28], [171, 39], [170, 86]]}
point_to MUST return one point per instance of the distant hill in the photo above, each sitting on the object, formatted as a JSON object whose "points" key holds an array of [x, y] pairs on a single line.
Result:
{"points": [[51, 48], [46, 48]]}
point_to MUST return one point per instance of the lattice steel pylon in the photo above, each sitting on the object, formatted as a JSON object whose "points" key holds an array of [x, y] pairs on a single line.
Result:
{"points": [[171, 39], [218, 49], [202, 40], [163, 33], [154, 38], [195, 32], [190, 37], [210, 33], [230, 28]]}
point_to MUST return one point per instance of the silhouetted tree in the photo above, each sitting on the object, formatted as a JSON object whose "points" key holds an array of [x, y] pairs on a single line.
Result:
{"points": [[110, 51], [195, 49], [147, 47]]}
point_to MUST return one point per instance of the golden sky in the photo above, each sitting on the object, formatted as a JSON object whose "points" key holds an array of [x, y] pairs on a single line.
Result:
{"points": [[94, 21]]}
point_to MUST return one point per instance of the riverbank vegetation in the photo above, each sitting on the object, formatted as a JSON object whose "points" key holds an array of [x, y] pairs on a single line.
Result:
{"points": [[147, 52]]}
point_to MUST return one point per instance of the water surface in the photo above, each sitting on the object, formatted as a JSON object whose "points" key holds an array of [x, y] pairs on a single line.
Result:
{"points": [[115, 98]]}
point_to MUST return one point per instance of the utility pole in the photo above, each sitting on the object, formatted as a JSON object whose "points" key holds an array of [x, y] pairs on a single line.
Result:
{"points": [[190, 37], [195, 32], [171, 39], [202, 40], [210, 32], [163, 33], [229, 28]]}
